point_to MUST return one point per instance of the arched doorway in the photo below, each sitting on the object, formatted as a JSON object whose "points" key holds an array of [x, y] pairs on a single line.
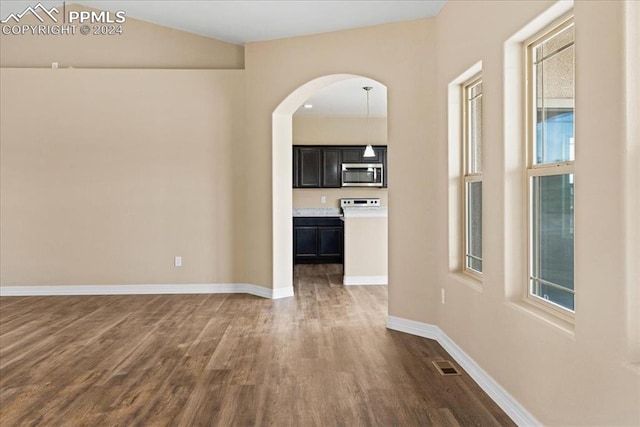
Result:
{"points": [[282, 171]]}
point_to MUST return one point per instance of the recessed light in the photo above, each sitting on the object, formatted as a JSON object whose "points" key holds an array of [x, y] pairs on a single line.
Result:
{"points": [[308, 106]]}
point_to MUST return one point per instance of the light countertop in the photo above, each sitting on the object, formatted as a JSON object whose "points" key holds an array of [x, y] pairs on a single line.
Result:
{"points": [[301, 212]]}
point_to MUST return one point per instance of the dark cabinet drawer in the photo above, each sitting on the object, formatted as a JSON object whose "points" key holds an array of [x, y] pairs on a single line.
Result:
{"points": [[317, 221]]}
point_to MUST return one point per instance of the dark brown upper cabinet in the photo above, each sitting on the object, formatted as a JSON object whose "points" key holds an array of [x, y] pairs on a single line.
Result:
{"points": [[321, 166], [309, 167]]}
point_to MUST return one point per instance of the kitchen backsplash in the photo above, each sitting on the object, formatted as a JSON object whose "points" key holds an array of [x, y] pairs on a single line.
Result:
{"points": [[312, 197]]}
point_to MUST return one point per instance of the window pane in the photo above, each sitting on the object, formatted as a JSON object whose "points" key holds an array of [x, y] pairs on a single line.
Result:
{"points": [[554, 92], [553, 231], [474, 126], [554, 44], [475, 90], [474, 226], [475, 135]]}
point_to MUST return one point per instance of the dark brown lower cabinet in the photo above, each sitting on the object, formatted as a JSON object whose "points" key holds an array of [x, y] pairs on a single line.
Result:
{"points": [[318, 240]]}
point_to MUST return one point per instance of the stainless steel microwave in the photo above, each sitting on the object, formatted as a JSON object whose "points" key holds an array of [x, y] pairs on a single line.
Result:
{"points": [[362, 175]]}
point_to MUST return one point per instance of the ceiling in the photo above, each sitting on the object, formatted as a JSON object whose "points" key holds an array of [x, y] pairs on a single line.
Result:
{"points": [[241, 22], [348, 98]]}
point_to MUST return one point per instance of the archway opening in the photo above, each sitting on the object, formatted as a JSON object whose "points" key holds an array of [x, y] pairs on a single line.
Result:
{"points": [[282, 183]]}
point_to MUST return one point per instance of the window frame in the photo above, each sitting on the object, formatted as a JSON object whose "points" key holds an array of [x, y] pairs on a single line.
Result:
{"points": [[468, 176], [533, 169]]}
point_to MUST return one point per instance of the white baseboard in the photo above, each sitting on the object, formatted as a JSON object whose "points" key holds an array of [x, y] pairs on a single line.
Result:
{"points": [[278, 293], [365, 280], [508, 403], [203, 288]]}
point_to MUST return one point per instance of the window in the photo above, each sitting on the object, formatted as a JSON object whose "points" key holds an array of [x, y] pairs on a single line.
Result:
{"points": [[472, 193], [550, 168]]}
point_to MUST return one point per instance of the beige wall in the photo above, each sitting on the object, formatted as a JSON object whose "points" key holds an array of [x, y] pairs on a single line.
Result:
{"points": [[632, 186], [336, 130], [365, 247], [397, 55], [127, 168], [141, 45], [106, 175], [312, 197], [564, 374]]}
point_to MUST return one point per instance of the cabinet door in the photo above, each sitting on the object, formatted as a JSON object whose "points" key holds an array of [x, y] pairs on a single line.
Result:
{"points": [[305, 242], [379, 158], [355, 155], [296, 167], [309, 167], [352, 154], [330, 242], [331, 168], [383, 159]]}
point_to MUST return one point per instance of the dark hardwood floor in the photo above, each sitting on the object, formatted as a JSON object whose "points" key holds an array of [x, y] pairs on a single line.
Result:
{"points": [[322, 358]]}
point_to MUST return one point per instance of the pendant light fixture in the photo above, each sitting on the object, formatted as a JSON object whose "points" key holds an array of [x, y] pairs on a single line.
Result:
{"points": [[368, 152]]}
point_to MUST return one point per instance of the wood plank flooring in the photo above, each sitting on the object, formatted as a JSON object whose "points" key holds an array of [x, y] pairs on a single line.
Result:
{"points": [[322, 358]]}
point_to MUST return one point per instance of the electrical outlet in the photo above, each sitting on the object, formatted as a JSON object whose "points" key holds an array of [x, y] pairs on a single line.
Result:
{"points": [[442, 295], [323, 199], [177, 261], [54, 65]]}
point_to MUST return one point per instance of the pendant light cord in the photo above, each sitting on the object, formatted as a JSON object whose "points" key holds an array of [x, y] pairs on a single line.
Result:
{"points": [[368, 124], [368, 152]]}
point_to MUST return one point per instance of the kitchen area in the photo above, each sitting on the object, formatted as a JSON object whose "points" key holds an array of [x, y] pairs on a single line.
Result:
{"points": [[340, 180]]}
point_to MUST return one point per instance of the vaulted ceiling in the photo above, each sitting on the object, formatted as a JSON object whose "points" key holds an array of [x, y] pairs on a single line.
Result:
{"points": [[240, 22]]}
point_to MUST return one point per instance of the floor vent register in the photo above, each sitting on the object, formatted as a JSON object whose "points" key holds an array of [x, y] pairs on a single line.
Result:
{"points": [[445, 367]]}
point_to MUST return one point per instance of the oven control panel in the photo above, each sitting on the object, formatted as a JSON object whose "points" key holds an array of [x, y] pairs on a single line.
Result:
{"points": [[356, 202]]}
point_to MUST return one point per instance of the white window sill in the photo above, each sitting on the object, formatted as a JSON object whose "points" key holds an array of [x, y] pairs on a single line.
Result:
{"points": [[562, 325], [467, 280]]}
